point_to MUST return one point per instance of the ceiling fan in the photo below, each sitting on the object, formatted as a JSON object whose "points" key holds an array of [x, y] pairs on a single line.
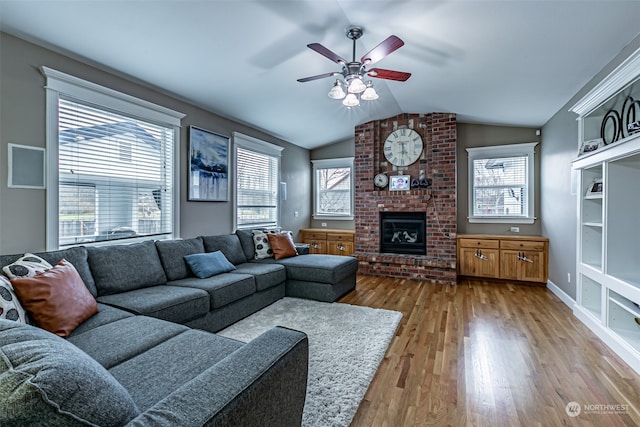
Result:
{"points": [[354, 72]]}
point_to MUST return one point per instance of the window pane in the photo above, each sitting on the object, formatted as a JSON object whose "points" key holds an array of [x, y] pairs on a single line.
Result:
{"points": [[333, 191], [257, 189], [114, 175], [500, 186]]}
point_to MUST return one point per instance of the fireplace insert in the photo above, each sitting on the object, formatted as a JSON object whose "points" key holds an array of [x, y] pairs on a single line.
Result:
{"points": [[403, 233]]}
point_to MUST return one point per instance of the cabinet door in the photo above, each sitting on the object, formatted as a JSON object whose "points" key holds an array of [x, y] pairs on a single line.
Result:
{"points": [[479, 262], [532, 268], [317, 246], [509, 264], [339, 247]]}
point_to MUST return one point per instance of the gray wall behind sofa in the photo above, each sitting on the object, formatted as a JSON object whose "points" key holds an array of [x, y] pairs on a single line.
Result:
{"points": [[22, 121]]}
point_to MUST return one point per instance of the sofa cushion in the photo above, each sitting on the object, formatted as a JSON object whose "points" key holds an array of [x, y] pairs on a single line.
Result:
{"points": [[209, 264], [267, 275], [10, 307], [156, 373], [320, 268], [26, 266], [43, 377], [126, 338], [246, 240], [172, 253], [229, 245], [223, 288], [173, 303], [121, 268], [282, 245], [77, 256], [57, 300], [107, 314]]}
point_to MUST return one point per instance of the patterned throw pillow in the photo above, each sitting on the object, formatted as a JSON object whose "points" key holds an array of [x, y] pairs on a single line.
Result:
{"points": [[27, 266], [10, 307], [261, 242]]}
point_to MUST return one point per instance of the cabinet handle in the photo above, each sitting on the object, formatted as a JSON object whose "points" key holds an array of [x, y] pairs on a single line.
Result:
{"points": [[341, 247], [480, 255], [314, 245], [523, 257]]}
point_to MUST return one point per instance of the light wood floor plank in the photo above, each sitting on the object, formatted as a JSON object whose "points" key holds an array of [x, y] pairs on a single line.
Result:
{"points": [[490, 354]]}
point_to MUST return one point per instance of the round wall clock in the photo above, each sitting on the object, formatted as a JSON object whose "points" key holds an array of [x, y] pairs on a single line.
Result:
{"points": [[381, 180], [403, 147]]}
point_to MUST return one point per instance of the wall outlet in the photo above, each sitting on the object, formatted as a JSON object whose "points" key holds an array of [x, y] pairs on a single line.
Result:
{"points": [[295, 214], [515, 229], [568, 277], [324, 224]]}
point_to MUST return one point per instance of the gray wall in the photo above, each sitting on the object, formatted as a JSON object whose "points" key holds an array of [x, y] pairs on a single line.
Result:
{"points": [[479, 135], [338, 150], [559, 206], [22, 118]]}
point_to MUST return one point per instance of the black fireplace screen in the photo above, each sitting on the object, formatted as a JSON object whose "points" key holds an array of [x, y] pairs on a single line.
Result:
{"points": [[403, 233]]}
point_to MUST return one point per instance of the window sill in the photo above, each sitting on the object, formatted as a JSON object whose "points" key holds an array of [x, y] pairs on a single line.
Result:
{"points": [[334, 218], [501, 220]]}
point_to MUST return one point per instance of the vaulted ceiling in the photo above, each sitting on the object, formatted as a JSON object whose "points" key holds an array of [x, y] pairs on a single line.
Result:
{"points": [[500, 62]]}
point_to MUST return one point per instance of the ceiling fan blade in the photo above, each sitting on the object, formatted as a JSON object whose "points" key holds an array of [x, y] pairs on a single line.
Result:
{"points": [[327, 53], [320, 76], [381, 73], [390, 44]]}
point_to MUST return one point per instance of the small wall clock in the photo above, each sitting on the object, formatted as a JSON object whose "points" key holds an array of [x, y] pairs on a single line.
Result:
{"points": [[403, 147], [381, 180]]}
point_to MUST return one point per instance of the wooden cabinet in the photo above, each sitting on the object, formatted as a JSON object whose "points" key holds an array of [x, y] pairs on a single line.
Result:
{"points": [[328, 241], [479, 257], [522, 258]]}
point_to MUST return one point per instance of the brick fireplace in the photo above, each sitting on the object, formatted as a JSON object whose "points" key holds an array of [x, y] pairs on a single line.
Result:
{"points": [[438, 202]]}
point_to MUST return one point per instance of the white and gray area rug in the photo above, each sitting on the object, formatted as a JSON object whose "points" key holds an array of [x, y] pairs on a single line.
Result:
{"points": [[346, 345]]}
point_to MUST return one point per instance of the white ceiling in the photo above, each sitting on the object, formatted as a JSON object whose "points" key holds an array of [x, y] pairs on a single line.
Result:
{"points": [[501, 62]]}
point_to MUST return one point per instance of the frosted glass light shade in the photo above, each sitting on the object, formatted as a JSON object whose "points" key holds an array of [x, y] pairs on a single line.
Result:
{"points": [[356, 86], [351, 100], [369, 94], [336, 91]]}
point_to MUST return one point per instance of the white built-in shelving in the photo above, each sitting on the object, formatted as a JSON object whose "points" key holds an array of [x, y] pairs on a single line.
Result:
{"points": [[608, 238]]}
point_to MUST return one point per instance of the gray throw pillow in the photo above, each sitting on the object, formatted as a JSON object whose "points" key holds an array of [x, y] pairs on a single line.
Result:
{"points": [[43, 377]]}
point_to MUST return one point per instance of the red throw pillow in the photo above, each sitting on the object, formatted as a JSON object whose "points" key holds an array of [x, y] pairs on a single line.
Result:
{"points": [[57, 300], [282, 245]]}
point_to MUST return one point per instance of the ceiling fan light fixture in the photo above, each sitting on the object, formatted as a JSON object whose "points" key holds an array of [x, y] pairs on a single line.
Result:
{"points": [[369, 93], [336, 91], [356, 85], [351, 101]]}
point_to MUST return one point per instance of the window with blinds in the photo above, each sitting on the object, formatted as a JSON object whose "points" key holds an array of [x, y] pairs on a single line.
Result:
{"points": [[257, 179], [501, 183], [333, 188], [114, 175]]}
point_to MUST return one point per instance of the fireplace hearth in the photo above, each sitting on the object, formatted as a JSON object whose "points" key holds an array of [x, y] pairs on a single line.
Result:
{"points": [[403, 233]]}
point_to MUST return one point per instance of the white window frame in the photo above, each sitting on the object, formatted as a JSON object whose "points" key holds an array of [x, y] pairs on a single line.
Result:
{"points": [[253, 144], [498, 151], [59, 83], [344, 162]]}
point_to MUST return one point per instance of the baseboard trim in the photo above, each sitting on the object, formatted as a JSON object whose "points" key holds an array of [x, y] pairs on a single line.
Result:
{"points": [[564, 297]]}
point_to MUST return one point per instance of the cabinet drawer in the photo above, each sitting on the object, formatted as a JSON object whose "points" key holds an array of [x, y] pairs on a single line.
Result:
{"points": [[340, 237], [522, 246], [479, 243], [315, 236]]}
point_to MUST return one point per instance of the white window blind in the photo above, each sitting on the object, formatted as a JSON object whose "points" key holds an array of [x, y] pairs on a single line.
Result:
{"points": [[114, 175], [257, 179], [501, 183], [333, 179], [500, 186]]}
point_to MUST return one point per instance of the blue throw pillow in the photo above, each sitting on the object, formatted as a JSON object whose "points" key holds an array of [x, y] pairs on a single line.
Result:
{"points": [[209, 264]]}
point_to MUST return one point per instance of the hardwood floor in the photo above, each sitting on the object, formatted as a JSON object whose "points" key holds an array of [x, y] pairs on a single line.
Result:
{"points": [[490, 354]]}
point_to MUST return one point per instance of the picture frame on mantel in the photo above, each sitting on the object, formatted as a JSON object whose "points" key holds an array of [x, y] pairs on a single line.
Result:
{"points": [[399, 182], [208, 166]]}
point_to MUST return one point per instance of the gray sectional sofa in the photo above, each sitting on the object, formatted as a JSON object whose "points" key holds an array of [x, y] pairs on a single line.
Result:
{"points": [[148, 357]]}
